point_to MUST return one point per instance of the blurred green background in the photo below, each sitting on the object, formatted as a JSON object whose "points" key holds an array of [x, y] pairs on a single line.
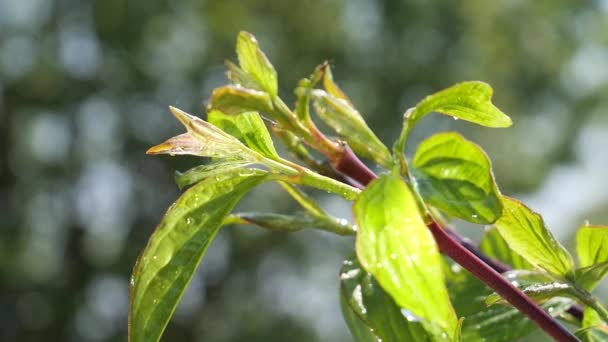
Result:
{"points": [[84, 91]]}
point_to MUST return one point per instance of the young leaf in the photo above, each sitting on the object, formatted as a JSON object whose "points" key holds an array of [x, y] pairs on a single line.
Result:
{"points": [[237, 100], [331, 87], [347, 122], [525, 232], [198, 173], [293, 223], [202, 139], [255, 63], [394, 244], [470, 101], [249, 128], [494, 246], [176, 248], [371, 314], [239, 77], [454, 175]]}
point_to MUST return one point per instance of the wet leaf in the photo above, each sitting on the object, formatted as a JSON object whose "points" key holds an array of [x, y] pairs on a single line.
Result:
{"points": [[177, 246], [470, 101], [240, 78], [538, 286], [198, 173], [593, 329], [525, 232], [255, 63], [454, 175], [370, 313], [394, 244]]}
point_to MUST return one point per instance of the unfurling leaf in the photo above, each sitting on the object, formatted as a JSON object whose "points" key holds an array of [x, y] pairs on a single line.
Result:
{"points": [[202, 139], [239, 77], [454, 175], [349, 124], [470, 101], [255, 63], [237, 100], [494, 246], [248, 128], [394, 244], [177, 246], [198, 173], [370, 313], [525, 232]]}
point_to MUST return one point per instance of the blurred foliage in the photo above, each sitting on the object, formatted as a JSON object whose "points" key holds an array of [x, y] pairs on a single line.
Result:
{"points": [[84, 91]]}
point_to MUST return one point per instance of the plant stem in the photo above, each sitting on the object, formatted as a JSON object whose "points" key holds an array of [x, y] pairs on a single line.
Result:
{"points": [[454, 249], [494, 280]]}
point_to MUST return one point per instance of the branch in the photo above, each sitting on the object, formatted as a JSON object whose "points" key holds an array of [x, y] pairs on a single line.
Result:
{"points": [[461, 251]]}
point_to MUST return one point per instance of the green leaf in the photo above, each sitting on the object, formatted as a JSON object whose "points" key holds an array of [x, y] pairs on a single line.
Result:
{"points": [[198, 173], [592, 245], [293, 223], [350, 125], [255, 63], [470, 101], [494, 246], [248, 128], [202, 139], [239, 77], [236, 100], [177, 246], [525, 232], [589, 277], [371, 314], [394, 244], [593, 329], [454, 175], [538, 286]]}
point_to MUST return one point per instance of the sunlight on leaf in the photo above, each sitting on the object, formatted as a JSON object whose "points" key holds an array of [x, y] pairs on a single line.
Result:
{"points": [[237, 100], [394, 244], [255, 63], [198, 173], [494, 246], [470, 101], [177, 246], [202, 139], [455, 175], [525, 232], [370, 313]]}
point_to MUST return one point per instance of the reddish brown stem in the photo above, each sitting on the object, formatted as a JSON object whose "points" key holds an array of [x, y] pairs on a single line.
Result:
{"points": [[350, 166], [495, 281]]}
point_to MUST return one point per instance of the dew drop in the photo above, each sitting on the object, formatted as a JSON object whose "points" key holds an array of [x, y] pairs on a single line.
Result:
{"points": [[474, 216], [393, 256], [190, 221], [379, 265], [455, 118], [154, 257], [155, 301]]}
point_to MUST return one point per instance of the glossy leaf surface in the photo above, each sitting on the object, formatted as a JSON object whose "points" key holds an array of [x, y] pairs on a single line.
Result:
{"points": [[255, 63], [237, 100], [202, 139], [589, 277], [454, 175], [470, 101], [349, 124], [592, 250], [239, 77], [538, 286], [177, 246], [394, 244], [526, 233], [249, 128], [198, 173], [371, 314], [494, 246], [593, 329]]}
